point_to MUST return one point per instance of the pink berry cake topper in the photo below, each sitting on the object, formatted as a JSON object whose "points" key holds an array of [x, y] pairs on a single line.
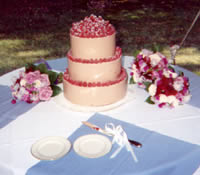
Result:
{"points": [[92, 27]]}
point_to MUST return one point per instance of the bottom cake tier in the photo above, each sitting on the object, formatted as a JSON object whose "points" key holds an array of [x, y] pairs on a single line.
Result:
{"points": [[95, 94]]}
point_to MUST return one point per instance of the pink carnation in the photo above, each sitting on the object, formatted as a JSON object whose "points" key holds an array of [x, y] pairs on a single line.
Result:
{"points": [[31, 86], [146, 52], [32, 76], [44, 79], [45, 93], [34, 97]]}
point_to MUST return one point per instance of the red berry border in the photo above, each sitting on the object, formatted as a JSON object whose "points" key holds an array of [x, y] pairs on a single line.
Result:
{"points": [[118, 54], [121, 77]]}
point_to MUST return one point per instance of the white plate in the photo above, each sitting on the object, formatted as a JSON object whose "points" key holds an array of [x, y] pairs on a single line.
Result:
{"points": [[50, 148], [92, 146]]}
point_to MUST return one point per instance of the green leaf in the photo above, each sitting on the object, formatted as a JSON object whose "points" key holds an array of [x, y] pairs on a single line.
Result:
{"points": [[42, 68], [157, 47], [148, 100], [52, 76], [171, 67], [181, 73], [135, 53], [60, 78], [30, 67], [131, 81], [27, 66], [56, 90], [147, 84]]}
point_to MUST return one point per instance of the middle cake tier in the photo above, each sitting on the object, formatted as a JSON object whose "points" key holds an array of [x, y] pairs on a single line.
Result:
{"points": [[95, 94], [95, 70]]}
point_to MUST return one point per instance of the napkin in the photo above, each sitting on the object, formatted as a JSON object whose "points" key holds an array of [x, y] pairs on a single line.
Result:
{"points": [[160, 155], [58, 64], [9, 111]]}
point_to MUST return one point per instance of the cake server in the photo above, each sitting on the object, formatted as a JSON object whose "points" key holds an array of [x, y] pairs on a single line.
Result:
{"points": [[94, 127]]}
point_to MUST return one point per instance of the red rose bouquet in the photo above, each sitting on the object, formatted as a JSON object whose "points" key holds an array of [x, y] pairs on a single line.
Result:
{"points": [[153, 72]]}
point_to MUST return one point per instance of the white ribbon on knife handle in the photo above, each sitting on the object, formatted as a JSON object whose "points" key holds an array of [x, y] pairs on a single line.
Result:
{"points": [[119, 137]]}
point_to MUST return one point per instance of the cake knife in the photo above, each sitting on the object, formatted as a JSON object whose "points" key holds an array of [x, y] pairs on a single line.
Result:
{"points": [[94, 127]]}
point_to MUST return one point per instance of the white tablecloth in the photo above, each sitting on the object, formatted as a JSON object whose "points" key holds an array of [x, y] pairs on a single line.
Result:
{"points": [[22, 124]]}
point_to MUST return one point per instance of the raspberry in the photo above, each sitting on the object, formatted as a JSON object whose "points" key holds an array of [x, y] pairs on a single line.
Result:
{"points": [[92, 27]]}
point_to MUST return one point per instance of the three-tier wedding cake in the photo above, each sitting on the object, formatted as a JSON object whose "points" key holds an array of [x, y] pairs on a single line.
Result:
{"points": [[95, 76]]}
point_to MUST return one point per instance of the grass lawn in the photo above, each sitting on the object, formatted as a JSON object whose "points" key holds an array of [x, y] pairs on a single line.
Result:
{"points": [[40, 33]]}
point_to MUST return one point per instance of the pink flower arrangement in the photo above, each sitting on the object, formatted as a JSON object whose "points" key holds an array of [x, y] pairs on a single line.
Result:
{"points": [[34, 85], [153, 72]]}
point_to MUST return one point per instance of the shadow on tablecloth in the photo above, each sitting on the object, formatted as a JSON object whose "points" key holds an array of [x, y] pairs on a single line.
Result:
{"points": [[9, 111], [195, 99]]}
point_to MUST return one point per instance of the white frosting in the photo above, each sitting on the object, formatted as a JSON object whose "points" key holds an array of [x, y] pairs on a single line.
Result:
{"points": [[67, 105], [94, 60], [95, 96], [87, 48], [101, 72]]}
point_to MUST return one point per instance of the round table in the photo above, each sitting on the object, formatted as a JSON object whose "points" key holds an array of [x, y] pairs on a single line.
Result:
{"points": [[23, 124]]}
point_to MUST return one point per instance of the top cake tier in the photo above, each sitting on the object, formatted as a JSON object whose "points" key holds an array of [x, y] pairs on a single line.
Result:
{"points": [[92, 38]]}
